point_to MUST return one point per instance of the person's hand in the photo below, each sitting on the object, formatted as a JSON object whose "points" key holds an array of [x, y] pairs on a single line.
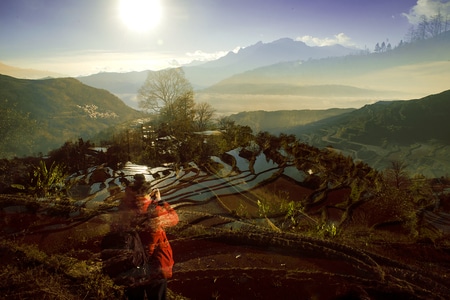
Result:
{"points": [[157, 194]]}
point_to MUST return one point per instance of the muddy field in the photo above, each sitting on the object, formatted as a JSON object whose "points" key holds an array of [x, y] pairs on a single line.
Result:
{"points": [[261, 264], [221, 256]]}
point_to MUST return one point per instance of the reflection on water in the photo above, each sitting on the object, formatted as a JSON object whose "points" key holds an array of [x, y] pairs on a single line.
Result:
{"points": [[187, 185], [131, 169]]}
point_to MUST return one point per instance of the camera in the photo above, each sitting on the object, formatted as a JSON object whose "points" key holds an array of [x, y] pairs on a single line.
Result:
{"points": [[153, 192]]}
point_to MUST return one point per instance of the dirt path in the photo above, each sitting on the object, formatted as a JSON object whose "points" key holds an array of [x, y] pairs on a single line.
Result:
{"points": [[256, 263], [219, 256]]}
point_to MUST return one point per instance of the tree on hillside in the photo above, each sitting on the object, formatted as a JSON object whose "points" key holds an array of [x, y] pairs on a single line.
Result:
{"points": [[75, 155], [204, 114], [234, 135], [162, 89], [428, 27], [169, 95], [383, 48], [179, 117], [397, 175], [377, 48]]}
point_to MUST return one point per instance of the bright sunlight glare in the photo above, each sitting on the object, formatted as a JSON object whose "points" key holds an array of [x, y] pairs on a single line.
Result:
{"points": [[140, 15]]}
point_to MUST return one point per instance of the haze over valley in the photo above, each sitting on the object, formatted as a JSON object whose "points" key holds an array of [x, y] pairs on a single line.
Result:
{"points": [[265, 81], [304, 147]]}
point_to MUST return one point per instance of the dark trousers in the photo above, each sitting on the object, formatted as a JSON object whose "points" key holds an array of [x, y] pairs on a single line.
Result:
{"points": [[157, 290]]}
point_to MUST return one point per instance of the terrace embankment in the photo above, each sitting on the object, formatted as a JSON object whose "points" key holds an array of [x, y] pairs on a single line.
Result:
{"points": [[224, 258], [220, 255]]}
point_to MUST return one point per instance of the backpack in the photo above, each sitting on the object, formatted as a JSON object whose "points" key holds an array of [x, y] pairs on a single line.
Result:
{"points": [[124, 259]]}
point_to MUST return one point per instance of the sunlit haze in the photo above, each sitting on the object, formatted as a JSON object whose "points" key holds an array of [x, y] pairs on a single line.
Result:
{"points": [[140, 15], [85, 37]]}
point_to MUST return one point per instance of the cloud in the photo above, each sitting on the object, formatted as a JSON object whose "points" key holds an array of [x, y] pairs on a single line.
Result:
{"points": [[205, 56], [88, 62], [340, 39], [428, 8]]}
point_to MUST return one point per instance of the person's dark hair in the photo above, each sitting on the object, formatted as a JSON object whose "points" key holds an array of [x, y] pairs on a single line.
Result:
{"points": [[139, 178], [140, 185]]}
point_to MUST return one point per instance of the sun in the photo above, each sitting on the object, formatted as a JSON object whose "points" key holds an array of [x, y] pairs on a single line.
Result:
{"points": [[140, 15]]}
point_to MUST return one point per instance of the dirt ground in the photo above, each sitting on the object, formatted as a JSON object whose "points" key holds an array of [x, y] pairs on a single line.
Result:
{"points": [[251, 263], [219, 256], [266, 266]]}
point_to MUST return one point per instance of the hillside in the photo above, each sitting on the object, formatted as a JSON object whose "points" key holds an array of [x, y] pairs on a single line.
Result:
{"points": [[61, 109], [123, 85], [408, 71], [415, 131], [399, 122], [281, 121]]}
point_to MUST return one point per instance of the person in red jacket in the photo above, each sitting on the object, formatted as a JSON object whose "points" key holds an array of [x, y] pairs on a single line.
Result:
{"points": [[137, 195], [159, 215]]}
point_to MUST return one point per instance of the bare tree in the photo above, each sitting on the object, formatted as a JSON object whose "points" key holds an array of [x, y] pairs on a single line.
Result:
{"points": [[204, 113], [397, 174], [428, 27], [162, 89], [169, 94], [422, 28], [180, 115]]}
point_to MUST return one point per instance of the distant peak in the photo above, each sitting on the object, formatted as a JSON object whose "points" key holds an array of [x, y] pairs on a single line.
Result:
{"points": [[283, 40]]}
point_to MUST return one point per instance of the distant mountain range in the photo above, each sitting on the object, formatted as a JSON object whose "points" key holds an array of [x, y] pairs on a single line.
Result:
{"points": [[59, 110], [290, 75], [416, 132], [355, 69], [257, 56], [409, 71], [126, 85], [26, 73]]}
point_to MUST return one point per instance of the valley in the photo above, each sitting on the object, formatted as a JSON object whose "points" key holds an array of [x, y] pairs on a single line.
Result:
{"points": [[428, 159], [311, 161]]}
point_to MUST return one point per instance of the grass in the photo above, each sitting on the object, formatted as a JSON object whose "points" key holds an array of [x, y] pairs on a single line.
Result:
{"points": [[69, 267], [29, 273]]}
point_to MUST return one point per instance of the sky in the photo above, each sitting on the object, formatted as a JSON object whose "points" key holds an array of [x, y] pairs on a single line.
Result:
{"points": [[82, 37]]}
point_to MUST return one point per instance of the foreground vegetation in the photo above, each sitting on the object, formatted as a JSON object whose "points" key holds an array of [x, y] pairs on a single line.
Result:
{"points": [[271, 216], [345, 210]]}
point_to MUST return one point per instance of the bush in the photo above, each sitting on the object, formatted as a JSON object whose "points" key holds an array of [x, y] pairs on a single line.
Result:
{"points": [[44, 181]]}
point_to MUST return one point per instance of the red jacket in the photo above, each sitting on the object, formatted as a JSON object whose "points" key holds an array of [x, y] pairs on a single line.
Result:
{"points": [[154, 237]]}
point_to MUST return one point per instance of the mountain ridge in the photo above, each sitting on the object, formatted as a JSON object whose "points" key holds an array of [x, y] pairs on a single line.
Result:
{"points": [[205, 74], [413, 131], [257, 56], [27, 73], [425, 51], [409, 71], [63, 109]]}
